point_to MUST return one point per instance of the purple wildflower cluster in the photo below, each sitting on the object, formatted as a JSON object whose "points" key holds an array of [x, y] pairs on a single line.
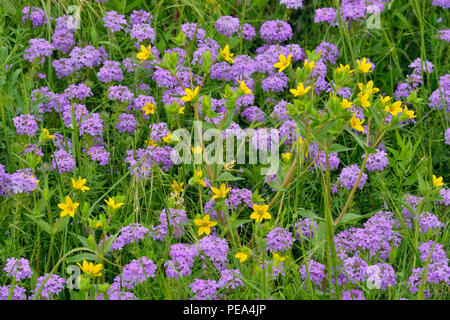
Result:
{"points": [[130, 234], [171, 223], [20, 181]]}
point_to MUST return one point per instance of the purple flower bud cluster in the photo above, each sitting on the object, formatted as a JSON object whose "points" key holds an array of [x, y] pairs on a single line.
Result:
{"points": [[353, 294], [204, 289], [273, 31], [120, 93], [18, 269], [142, 32], [54, 284], [305, 228], [114, 21], [140, 16], [25, 124], [316, 272], [440, 98], [230, 279], [170, 224], [110, 71], [377, 161], [215, 249], [183, 256], [130, 234], [445, 35], [227, 25], [126, 123], [191, 29], [92, 125], [327, 15], [136, 272], [157, 156], [35, 15], [39, 48], [62, 38], [100, 154], [19, 293], [292, 4], [349, 176], [253, 114], [320, 160], [279, 239]]}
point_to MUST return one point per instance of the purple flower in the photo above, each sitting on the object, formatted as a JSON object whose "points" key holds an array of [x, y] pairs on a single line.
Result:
{"points": [[126, 123], [320, 158], [329, 51], [445, 35], [292, 4], [78, 91], [349, 176], [437, 273], [174, 222], [279, 239], [129, 234], [140, 16], [355, 269], [142, 32], [275, 82], [445, 195], [230, 279], [87, 57], [275, 31], [39, 48], [419, 65], [447, 136], [227, 25], [305, 228], [316, 272], [441, 3], [325, 15], [25, 124], [216, 249], [63, 67], [100, 154], [381, 275], [253, 114], [54, 284], [35, 15], [440, 98], [248, 32], [120, 93], [92, 125], [19, 293], [110, 71], [377, 161], [432, 252], [183, 256], [279, 112], [136, 272], [114, 21], [204, 289], [353, 294], [18, 269], [62, 38], [63, 161], [191, 29]]}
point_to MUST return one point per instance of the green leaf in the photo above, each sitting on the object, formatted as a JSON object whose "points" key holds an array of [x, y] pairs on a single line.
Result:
{"points": [[44, 225], [361, 142], [82, 256], [305, 213], [335, 147], [227, 176]]}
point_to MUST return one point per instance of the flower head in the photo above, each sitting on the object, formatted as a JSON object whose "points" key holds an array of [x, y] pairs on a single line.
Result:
{"points": [[356, 123], [300, 90], [190, 95], [220, 193], [364, 66], [197, 179], [79, 184], [68, 207], [112, 204], [395, 108], [345, 104], [283, 63], [144, 54], [244, 88], [242, 256], [205, 225], [260, 212], [90, 269], [437, 182], [177, 187], [226, 54], [148, 108]]}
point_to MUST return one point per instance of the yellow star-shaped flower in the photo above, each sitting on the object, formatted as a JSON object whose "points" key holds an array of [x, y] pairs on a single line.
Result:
{"points": [[226, 54], [112, 204], [242, 256], [205, 225], [260, 212], [364, 66], [144, 54], [395, 108], [220, 193], [79, 184], [90, 269], [437, 182], [148, 108], [300, 90], [345, 104], [177, 187], [190, 95], [356, 123], [68, 208], [243, 87], [283, 63]]}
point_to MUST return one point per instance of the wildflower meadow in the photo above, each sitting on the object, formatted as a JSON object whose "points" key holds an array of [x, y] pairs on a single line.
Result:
{"points": [[224, 149]]}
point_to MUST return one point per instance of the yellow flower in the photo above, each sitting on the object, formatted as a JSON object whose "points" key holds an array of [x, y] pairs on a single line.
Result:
{"points": [[48, 135], [90, 269], [243, 87], [190, 95], [168, 138], [144, 54], [410, 113], [205, 225], [364, 100], [277, 258], [385, 99], [364, 66], [226, 54], [356, 123], [283, 63], [344, 68], [242, 256], [112, 204], [181, 110], [345, 104], [395, 108], [177, 187], [148, 108], [36, 181], [68, 208], [300, 90], [220, 193], [150, 143], [260, 212], [437, 182], [79, 184], [367, 89], [198, 178], [286, 156], [309, 65], [197, 150]]}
